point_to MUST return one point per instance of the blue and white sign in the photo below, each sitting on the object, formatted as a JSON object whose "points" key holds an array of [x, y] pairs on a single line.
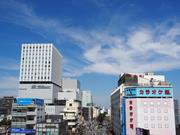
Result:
{"points": [[149, 92], [29, 101], [23, 130]]}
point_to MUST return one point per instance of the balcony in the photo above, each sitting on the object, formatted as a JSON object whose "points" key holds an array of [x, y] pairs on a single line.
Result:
{"points": [[31, 122], [21, 114], [18, 124], [31, 113]]}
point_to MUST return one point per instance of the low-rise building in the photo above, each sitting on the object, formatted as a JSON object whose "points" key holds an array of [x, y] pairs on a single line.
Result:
{"points": [[26, 113], [54, 125], [72, 113], [5, 107]]}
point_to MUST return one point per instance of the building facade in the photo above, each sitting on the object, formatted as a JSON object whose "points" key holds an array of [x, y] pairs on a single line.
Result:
{"points": [[40, 72], [70, 90], [5, 107], [26, 113], [86, 98], [143, 101], [72, 113], [54, 125]]}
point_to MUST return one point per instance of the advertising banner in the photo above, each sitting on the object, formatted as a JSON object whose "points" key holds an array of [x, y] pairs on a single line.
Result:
{"points": [[149, 92]]}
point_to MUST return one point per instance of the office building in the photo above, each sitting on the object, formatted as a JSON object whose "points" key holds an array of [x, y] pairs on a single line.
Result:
{"points": [[40, 72], [143, 101], [70, 90], [54, 125], [26, 113], [86, 98]]}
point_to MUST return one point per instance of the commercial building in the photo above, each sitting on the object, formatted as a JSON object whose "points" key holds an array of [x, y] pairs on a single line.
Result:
{"points": [[40, 72], [26, 113], [54, 125], [72, 113], [5, 107], [86, 98], [87, 113], [177, 116], [70, 90], [143, 101]]}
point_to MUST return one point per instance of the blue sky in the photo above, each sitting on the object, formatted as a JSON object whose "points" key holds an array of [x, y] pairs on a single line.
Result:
{"points": [[99, 39]]}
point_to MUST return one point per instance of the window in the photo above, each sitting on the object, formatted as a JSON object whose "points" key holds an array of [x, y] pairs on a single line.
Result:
{"points": [[145, 125], [153, 125], [159, 118], [165, 118], [152, 110], [165, 110], [70, 104], [166, 126], [145, 110], [159, 125], [152, 118], [146, 118], [159, 110]]}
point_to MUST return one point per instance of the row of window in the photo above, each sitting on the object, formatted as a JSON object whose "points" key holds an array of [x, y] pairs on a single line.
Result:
{"points": [[152, 110], [35, 78], [155, 103], [34, 46], [146, 125], [159, 118]]}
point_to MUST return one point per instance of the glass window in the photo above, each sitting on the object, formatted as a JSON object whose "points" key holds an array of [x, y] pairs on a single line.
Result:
{"points": [[166, 126], [159, 125], [153, 125]]}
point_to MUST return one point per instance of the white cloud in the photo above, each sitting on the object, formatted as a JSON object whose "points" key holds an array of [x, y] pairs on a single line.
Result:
{"points": [[140, 49]]}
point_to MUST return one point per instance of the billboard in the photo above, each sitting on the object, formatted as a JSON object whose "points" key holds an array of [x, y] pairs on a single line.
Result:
{"points": [[23, 130], [29, 101], [149, 92]]}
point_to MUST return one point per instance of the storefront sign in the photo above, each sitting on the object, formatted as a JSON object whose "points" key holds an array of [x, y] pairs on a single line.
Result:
{"points": [[149, 92]]}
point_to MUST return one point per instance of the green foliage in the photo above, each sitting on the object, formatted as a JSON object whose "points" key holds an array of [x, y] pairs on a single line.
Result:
{"points": [[101, 117]]}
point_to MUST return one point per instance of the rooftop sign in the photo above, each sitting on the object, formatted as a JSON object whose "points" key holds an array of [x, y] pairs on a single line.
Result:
{"points": [[29, 101], [149, 92]]}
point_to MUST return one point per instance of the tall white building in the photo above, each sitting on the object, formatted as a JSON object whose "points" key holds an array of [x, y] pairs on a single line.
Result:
{"points": [[86, 98], [143, 101], [70, 90], [40, 72]]}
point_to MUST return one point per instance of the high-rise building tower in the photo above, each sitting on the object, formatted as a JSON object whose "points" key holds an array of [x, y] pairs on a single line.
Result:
{"points": [[86, 98], [143, 103], [40, 72]]}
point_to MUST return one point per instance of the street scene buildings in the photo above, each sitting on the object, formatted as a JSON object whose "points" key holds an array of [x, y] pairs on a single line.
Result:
{"points": [[48, 104], [143, 102]]}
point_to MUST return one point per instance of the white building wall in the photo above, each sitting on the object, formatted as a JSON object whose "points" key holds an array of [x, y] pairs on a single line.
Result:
{"points": [[54, 109], [70, 84], [67, 95], [86, 98], [48, 92], [155, 114], [40, 63]]}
